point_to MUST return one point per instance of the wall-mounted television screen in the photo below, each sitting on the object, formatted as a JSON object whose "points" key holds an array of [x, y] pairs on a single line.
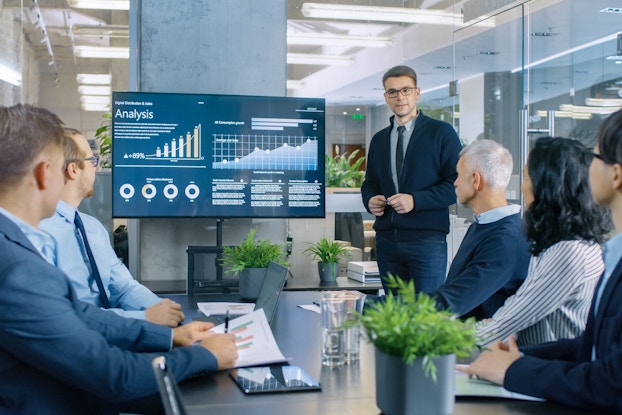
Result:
{"points": [[219, 156]]}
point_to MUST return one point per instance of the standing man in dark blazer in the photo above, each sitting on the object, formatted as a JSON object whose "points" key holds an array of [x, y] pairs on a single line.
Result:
{"points": [[59, 355], [586, 371], [411, 168]]}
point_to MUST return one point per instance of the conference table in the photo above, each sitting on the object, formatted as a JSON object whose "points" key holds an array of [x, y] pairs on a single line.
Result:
{"points": [[346, 390]]}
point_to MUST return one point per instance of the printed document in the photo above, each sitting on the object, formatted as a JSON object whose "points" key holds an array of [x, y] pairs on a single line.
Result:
{"points": [[254, 339], [216, 308]]}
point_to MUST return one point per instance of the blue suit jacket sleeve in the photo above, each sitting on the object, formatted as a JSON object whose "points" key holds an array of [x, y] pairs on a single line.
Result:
{"points": [[49, 332], [564, 371]]}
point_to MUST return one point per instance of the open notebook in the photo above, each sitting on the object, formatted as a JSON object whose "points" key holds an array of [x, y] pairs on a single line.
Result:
{"points": [[267, 300]]}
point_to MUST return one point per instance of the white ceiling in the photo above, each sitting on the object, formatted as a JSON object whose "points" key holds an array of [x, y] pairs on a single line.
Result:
{"points": [[428, 48]]}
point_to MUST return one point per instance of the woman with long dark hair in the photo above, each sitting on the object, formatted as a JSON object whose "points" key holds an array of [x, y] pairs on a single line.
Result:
{"points": [[584, 372], [565, 227]]}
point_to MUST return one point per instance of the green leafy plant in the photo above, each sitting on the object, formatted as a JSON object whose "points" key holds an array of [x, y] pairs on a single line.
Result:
{"points": [[252, 253], [326, 251], [344, 170], [408, 325], [103, 135]]}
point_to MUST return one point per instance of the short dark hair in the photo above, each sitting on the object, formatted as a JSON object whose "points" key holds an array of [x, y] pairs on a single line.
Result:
{"points": [[400, 70], [609, 138], [563, 208], [25, 132]]}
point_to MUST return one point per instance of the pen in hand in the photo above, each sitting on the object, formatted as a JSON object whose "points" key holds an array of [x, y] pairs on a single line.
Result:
{"points": [[227, 322]]}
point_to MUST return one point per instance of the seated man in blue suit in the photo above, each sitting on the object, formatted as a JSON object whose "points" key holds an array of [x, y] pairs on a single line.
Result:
{"points": [[492, 260], [59, 355], [586, 371]]}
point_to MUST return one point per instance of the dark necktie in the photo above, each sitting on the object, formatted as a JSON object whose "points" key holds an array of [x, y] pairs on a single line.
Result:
{"points": [[98, 279], [399, 153]]}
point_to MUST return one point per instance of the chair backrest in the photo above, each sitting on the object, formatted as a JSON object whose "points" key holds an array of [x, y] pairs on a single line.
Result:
{"points": [[167, 385]]}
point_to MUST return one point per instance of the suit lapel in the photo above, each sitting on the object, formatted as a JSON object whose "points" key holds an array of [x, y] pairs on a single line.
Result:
{"points": [[607, 295], [12, 232]]}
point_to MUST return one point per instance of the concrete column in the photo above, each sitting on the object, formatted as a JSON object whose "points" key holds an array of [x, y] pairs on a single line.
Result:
{"points": [[212, 47]]}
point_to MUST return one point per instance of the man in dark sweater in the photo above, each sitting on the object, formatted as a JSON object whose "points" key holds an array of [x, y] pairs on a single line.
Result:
{"points": [[411, 167], [492, 260]]}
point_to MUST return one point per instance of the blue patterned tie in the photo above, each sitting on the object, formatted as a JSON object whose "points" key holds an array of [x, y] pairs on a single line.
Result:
{"points": [[98, 279]]}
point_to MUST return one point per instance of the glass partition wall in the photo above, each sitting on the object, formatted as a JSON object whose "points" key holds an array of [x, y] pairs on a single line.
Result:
{"points": [[550, 67]]}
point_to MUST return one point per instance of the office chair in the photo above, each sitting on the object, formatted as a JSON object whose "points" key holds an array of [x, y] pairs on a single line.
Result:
{"points": [[169, 391]]}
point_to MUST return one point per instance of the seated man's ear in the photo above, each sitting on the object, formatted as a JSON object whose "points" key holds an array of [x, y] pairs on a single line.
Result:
{"points": [[71, 171]]}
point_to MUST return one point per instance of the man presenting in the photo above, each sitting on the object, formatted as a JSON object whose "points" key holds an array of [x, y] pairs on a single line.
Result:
{"points": [[492, 260], [411, 167], [122, 293], [60, 355]]}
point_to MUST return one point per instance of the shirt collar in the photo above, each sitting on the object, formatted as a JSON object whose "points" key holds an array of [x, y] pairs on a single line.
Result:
{"points": [[41, 240], [66, 210], [612, 252], [496, 214], [409, 125]]}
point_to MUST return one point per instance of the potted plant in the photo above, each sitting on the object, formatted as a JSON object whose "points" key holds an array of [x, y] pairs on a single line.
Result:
{"points": [[344, 170], [327, 254], [250, 260], [416, 348]]}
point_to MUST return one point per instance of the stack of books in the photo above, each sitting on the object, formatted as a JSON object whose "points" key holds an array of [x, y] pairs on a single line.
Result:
{"points": [[363, 271]]}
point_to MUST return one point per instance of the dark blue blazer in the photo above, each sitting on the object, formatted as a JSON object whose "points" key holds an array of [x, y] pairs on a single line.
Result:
{"points": [[490, 266], [59, 355], [428, 174], [563, 371]]}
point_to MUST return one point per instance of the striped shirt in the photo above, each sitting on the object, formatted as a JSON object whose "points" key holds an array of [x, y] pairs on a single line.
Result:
{"points": [[554, 301]]}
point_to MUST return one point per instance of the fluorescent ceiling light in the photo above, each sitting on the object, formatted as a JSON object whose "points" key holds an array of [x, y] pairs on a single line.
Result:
{"points": [[566, 114], [100, 4], [95, 99], [94, 79], [589, 110], [310, 59], [603, 102], [108, 52], [328, 39], [10, 75], [94, 90], [385, 14], [95, 107]]}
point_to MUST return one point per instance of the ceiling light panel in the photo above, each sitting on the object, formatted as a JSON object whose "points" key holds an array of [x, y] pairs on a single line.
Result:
{"points": [[100, 4], [311, 59], [328, 39], [385, 14], [104, 52], [94, 90], [94, 79], [95, 99]]}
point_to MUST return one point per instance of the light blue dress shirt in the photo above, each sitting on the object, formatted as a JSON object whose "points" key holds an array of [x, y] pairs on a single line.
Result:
{"points": [[612, 254], [42, 241], [496, 214], [127, 296]]}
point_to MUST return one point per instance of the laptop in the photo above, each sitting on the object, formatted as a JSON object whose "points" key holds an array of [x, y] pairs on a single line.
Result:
{"points": [[268, 298]]}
